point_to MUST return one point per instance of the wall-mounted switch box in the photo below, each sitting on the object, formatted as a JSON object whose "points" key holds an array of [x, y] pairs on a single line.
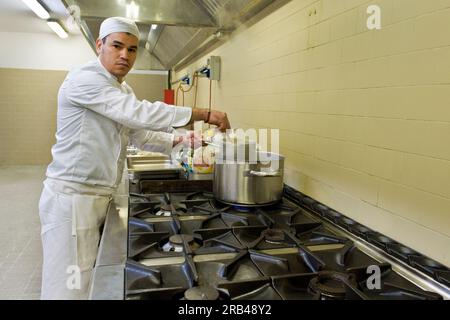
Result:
{"points": [[214, 66]]}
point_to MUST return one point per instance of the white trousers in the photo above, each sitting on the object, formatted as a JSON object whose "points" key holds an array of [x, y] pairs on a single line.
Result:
{"points": [[71, 216]]}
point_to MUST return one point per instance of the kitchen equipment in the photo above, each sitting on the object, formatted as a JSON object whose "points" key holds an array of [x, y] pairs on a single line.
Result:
{"points": [[147, 166], [138, 162], [181, 31], [248, 182], [188, 242], [243, 174]]}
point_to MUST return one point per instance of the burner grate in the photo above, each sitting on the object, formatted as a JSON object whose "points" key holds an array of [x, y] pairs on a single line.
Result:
{"points": [[188, 246]]}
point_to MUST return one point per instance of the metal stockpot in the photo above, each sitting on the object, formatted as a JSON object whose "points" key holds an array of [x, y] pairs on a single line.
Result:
{"points": [[249, 183]]}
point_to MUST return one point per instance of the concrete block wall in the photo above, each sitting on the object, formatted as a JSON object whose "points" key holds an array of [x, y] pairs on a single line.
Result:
{"points": [[364, 115], [31, 72], [28, 105]]}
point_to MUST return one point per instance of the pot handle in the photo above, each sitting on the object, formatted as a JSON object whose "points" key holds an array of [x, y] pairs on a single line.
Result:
{"points": [[253, 173]]}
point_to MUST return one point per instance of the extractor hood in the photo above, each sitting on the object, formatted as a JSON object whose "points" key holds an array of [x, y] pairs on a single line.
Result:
{"points": [[181, 29]]}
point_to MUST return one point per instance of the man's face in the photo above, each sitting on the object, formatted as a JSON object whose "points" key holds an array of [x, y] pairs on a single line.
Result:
{"points": [[118, 53]]}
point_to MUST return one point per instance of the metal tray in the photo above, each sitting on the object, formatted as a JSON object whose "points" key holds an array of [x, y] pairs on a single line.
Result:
{"points": [[136, 163]]}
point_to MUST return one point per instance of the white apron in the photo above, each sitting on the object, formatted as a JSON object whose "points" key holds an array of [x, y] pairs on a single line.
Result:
{"points": [[71, 216]]}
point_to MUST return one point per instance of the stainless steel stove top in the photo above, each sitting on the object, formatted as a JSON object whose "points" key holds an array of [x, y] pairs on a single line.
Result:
{"points": [[186, 245]]}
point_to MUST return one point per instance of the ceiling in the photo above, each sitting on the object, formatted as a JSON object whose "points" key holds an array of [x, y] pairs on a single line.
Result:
{"points": [[185, 28], [15, 16]]}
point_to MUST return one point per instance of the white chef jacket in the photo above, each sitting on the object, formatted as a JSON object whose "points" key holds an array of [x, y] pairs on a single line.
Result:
{"points": [[96, 117]]}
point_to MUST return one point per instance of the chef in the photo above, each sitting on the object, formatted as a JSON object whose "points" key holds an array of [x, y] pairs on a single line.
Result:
{"points": [[98, 115]]}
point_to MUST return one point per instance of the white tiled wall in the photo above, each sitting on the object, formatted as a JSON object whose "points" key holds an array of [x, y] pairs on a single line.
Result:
{"points": [[364, 115]]}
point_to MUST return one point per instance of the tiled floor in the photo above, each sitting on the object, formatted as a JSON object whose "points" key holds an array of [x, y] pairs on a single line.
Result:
{"points": [[20, 242]]}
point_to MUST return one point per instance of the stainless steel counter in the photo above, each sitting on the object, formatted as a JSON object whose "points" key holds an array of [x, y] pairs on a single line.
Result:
{"points": [[107, 282]]}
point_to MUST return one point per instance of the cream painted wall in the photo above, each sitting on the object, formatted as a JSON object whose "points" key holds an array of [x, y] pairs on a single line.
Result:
{"points": [[32, 68], [28, 105], [43, 51], [364, 115]]}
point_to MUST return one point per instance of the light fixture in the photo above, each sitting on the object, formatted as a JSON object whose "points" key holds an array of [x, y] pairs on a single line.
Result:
{"points": [[132, 10], [154, 26], [37, 8], [58, 28]]}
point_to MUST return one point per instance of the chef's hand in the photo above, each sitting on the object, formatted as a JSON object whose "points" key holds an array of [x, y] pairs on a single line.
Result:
{"points": [[215, 117], [219, 119]]}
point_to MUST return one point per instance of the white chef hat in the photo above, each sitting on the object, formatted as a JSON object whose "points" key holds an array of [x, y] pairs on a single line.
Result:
{"points": [[118, 24]]}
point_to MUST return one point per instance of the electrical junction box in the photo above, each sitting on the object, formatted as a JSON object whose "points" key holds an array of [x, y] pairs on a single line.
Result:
{"points": [[214, 67]]}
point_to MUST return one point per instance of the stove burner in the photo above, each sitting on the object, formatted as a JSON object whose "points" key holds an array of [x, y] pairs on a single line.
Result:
{"points": [[193, 246], [241, 208], [165, 210], [273, 235], [201, 293], [175, 243], [177, 239], [330, 284]]}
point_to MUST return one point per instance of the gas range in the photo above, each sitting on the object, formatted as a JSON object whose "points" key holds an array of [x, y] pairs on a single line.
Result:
{"points": [[188, 246]]}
